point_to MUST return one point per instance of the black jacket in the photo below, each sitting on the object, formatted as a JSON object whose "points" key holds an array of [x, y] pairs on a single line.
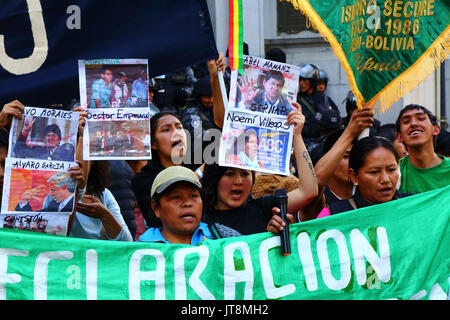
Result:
{"points": [[330, 196], [197, 120], [220, 231], [142, 185], [321, 114], [121, 178], [344, 205], [194, 116], [53, 206]]}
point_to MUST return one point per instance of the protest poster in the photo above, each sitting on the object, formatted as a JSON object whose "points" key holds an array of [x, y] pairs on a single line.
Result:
{"points": [[381, 252], [38, 192], [46, 134], [113, 83], [256, 142], [255, 135], [266, 87], [44, 222], [37, 186], [121, 133]]}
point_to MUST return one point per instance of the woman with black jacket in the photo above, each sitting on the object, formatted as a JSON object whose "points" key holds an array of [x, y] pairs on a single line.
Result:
{"points": [[373, 169], [228, 200]]}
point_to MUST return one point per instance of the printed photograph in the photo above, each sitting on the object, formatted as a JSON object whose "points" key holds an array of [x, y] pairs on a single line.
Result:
{"points": [[263, 90], [256, 148], [44, 138], [119, 139], [39, 191], [114, 85], [49, 223]]}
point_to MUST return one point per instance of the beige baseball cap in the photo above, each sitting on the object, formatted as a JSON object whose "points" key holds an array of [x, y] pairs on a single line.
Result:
{"points": [[171, 175]]}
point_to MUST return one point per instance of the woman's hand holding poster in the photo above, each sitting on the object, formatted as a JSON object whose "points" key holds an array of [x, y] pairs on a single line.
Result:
{"points": [[38, 191], [255, 135]]}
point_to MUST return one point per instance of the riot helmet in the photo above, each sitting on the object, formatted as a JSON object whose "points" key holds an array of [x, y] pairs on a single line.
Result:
{"points": [[323, 78], [310, 72], [350, 103]]}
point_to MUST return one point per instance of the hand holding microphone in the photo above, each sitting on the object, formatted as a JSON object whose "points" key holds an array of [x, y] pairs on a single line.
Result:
{"points": [[280, 220]]}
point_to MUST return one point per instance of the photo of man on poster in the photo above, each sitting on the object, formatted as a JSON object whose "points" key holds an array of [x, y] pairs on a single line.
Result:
{"points": [[113, 83], [139, 89], [60, 197], [268, 99], [51, 148], [101, 89], [119, 93]]}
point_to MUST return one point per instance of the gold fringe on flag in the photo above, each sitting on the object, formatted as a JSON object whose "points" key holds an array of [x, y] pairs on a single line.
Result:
{"points": [[429, 61]]}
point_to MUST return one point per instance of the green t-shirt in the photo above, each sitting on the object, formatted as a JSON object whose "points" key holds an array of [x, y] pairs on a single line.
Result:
{"points": [[417, 180]]}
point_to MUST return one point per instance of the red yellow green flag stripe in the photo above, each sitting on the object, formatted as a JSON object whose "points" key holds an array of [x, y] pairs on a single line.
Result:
{"points": [[235, 36]]}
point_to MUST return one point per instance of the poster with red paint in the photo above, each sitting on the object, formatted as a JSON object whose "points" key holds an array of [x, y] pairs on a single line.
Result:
{"points": [[37, 186], [37, 195]]}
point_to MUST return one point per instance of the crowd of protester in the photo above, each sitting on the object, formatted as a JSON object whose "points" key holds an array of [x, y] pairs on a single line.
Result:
{"points": [[172, 199]]}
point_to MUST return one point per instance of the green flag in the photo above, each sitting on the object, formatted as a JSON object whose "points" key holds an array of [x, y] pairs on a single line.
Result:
{"points": [[387, 47], [395, 250]]}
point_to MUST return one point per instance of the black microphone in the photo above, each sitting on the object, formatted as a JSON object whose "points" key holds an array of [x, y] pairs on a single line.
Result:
{"points": [[281, 201]]}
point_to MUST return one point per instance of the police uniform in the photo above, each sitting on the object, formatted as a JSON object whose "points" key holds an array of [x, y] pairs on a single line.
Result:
{"points": [[319, 114], [196, 118]]}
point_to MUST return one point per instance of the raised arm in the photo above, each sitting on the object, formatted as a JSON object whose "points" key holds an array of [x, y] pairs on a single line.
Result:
{"points": [[329, 162], [326, 166], [219, 109], [307, 186], [86, 166]]}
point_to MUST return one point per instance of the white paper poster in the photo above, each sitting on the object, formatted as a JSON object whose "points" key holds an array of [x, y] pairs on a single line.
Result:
{"points": [[255, 135]]}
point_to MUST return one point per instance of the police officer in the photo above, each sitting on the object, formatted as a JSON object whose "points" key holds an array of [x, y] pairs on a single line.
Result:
{"points": [[197, 116], [322, 81], [320, 116], [322, 84], [350, 106]]}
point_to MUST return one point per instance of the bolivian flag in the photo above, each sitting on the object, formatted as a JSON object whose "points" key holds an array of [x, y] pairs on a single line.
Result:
{"points": [[235, 36]]}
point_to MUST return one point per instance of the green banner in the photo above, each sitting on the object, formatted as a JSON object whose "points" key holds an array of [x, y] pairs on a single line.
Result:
{"points": [[396, 250], [387, 47]]}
